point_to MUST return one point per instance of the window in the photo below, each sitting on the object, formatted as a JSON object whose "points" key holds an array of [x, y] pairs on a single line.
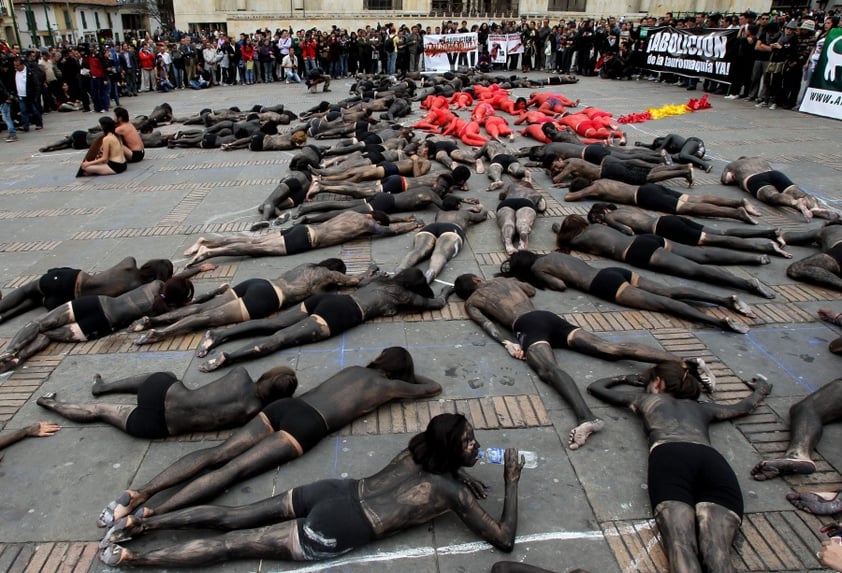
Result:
{"points": [[67, 23], [84, 20], [108, 15], [383, 4], [96, 19], [567, 5]]}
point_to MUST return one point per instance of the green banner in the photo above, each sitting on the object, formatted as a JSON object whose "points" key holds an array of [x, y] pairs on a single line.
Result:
{"points": [[824, 96]]}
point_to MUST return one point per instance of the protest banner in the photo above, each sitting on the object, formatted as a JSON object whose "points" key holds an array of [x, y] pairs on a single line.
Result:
{"points": [[441, 52], [497, 44], [693, 53], [824, 95]]}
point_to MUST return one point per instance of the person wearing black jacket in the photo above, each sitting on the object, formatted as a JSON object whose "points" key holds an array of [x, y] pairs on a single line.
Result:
{"points": [[7, 100], [27, 89]]}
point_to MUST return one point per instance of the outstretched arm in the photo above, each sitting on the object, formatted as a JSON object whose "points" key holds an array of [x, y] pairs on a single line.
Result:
{"points": [[187, 273], [492, 329], [38, 429], [761, 388], [604, 389]]}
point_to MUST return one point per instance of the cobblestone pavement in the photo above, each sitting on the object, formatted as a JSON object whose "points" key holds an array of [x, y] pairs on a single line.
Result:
{"points": [[585, 508]]}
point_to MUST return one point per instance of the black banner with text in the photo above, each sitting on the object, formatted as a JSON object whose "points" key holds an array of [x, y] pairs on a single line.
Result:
{"points": [[693, 53]]}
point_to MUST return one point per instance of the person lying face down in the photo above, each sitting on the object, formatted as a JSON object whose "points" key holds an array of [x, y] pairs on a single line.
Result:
{"points": [[329, 518]]}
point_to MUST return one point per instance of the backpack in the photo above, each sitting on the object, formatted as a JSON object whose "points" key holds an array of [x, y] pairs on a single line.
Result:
{"points": [[390, 44]]}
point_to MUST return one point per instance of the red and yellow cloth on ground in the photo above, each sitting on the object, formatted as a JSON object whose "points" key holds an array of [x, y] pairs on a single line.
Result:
{"points": [[666, 111]]}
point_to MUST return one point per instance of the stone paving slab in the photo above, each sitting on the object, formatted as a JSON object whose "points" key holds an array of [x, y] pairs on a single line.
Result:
{"points": [[586, 508]]}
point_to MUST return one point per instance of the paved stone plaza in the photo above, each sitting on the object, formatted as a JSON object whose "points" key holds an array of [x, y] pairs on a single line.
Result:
{"points": [[587, 508]]}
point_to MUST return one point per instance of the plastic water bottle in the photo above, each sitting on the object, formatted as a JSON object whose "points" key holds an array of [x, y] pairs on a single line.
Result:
{"points": [[498, 456]]}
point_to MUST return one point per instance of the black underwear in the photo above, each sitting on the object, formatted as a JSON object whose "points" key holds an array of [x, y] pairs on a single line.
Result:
{"points": [[374, 148], [80, 139], [375, 157], [368, 137], [209, 141], [516, 203], [619, 171], [692, 473], [58, 286], [382, 202], [297, 239], [330, 518], [679, 229], [298, 419], [595, 153], [117, 167], [259, 297], [438, 146], [149, 420], [504, 160], [88, 313], [438, 229], [642, 248], [542, 326], [297, 192], [393, 183], [389, 169], [137, 156], [315, 127], [657, 198], [256, 143], [333, 115], [836, 252], [607, 282], [339, 311], [363, 127], [774, 178]]}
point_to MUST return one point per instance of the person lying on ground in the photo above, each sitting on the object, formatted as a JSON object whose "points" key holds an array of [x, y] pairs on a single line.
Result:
{"points": [[682, 230], [329, 518], [323, 316], [621, 286], [442, 240], [692, 489], [166, 407], [656, 197], [281, 432], [650, 252], [755, 176], [300, 238], [249, 300], [824, 268], [504, 302]]}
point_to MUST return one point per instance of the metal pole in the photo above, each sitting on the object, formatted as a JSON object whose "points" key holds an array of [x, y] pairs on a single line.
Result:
{"points": [[30, 18], [47, 17], [15, 22]]}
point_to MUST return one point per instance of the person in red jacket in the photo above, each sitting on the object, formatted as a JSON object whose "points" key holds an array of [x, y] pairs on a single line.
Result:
{"points": [[247, 55]]}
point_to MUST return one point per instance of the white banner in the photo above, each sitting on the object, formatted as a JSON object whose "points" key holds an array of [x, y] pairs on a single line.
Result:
{"points": [[824, 96], [515, 45], [497, 45], [442, 53]]}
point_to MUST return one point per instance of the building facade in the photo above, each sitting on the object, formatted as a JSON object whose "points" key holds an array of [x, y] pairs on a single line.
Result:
{"points": [[50, 22], [236, 16]]}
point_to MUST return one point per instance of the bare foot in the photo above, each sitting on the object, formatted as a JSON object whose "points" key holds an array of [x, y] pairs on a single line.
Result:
{"points": [[114, 555], [200, 256], [122, 530], [761, 289], [744, 215], [740, 306], [779, 237], [802, 206], [97, 386], [707, 379], [764, 259], [46, 400], [139, 325], [213, 363], [736, 326], [817, 503], [830, 316], [690, 176], [780, 252], [828, 214], [480, 166], [149, 338], [195, 247], [580, 434], [260, 225], [666, 157], [120, 507], [496, 185], [527, 176], [206, 344], [751, 209], [770, 469]]}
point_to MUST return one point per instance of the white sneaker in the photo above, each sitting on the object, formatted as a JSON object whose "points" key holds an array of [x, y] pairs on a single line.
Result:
{"points": [[732, 96], [773, 106], [761, 104]]}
